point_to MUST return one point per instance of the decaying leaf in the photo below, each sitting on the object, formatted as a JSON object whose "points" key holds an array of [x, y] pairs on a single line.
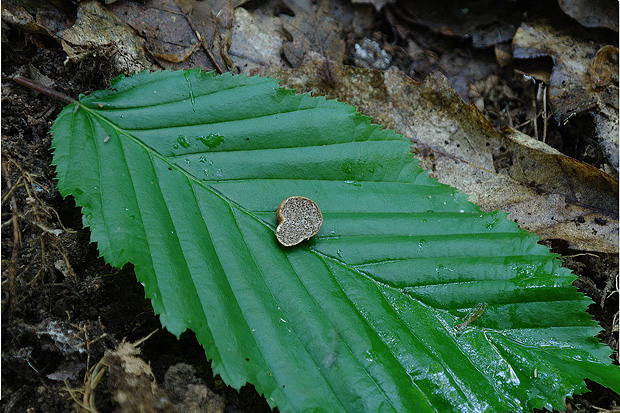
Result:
{"points": [[606, 128], [591, 226], [36, 17], [175, 42], [584, 79], [592, 13], [94, 28], [213, 21], [266, 45], [571, 90], [603, 73], [548, 193], [314, 29], [476, 20]]}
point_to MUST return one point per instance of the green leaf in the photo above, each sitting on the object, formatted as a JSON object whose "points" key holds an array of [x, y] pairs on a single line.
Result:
{"points": [[408, 299]]}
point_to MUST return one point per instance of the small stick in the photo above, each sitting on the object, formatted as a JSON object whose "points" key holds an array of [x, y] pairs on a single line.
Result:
{"points": [[206, 48], [31, 84]]}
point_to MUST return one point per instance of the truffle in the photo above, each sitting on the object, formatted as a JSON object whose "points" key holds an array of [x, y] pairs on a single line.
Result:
{"points": [[299, 219]]}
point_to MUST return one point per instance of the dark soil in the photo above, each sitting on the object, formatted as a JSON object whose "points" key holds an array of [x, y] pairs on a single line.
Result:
{"points": [[63, 307]]}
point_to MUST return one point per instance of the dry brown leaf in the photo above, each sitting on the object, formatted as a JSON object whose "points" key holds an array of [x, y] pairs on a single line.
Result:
{"points": [[313, 28], [592, 13], [584, 78], [214, 21], [93, 28], [604, 75], [606, 129], [591, 213], [35, 17], [603, 71], [555, 196], [266, 44], [466, 73], [268, 38], [571, 90], [170, 37]]}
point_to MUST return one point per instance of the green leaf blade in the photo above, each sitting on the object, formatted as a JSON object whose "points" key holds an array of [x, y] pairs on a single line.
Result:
{"points": [[180, 173]]}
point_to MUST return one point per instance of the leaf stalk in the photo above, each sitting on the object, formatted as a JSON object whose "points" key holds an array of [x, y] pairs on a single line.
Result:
{"points": [[31, 84]]}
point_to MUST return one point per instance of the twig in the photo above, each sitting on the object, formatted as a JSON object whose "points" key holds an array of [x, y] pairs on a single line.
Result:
{"points": [[202, 41], [42, 268], [43, 89], [520, 125], [510, 122], [43, 227]]}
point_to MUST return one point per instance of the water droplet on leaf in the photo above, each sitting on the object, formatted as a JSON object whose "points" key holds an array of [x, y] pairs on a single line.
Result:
{"points": [[212, 140], [183, 141]]}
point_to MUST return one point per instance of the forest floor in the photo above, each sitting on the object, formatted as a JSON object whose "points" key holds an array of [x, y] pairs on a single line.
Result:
{"points": [[64, 309]]}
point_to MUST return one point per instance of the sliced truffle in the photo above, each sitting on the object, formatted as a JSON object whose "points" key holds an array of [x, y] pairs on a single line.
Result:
{"points": [[299, 219]]}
